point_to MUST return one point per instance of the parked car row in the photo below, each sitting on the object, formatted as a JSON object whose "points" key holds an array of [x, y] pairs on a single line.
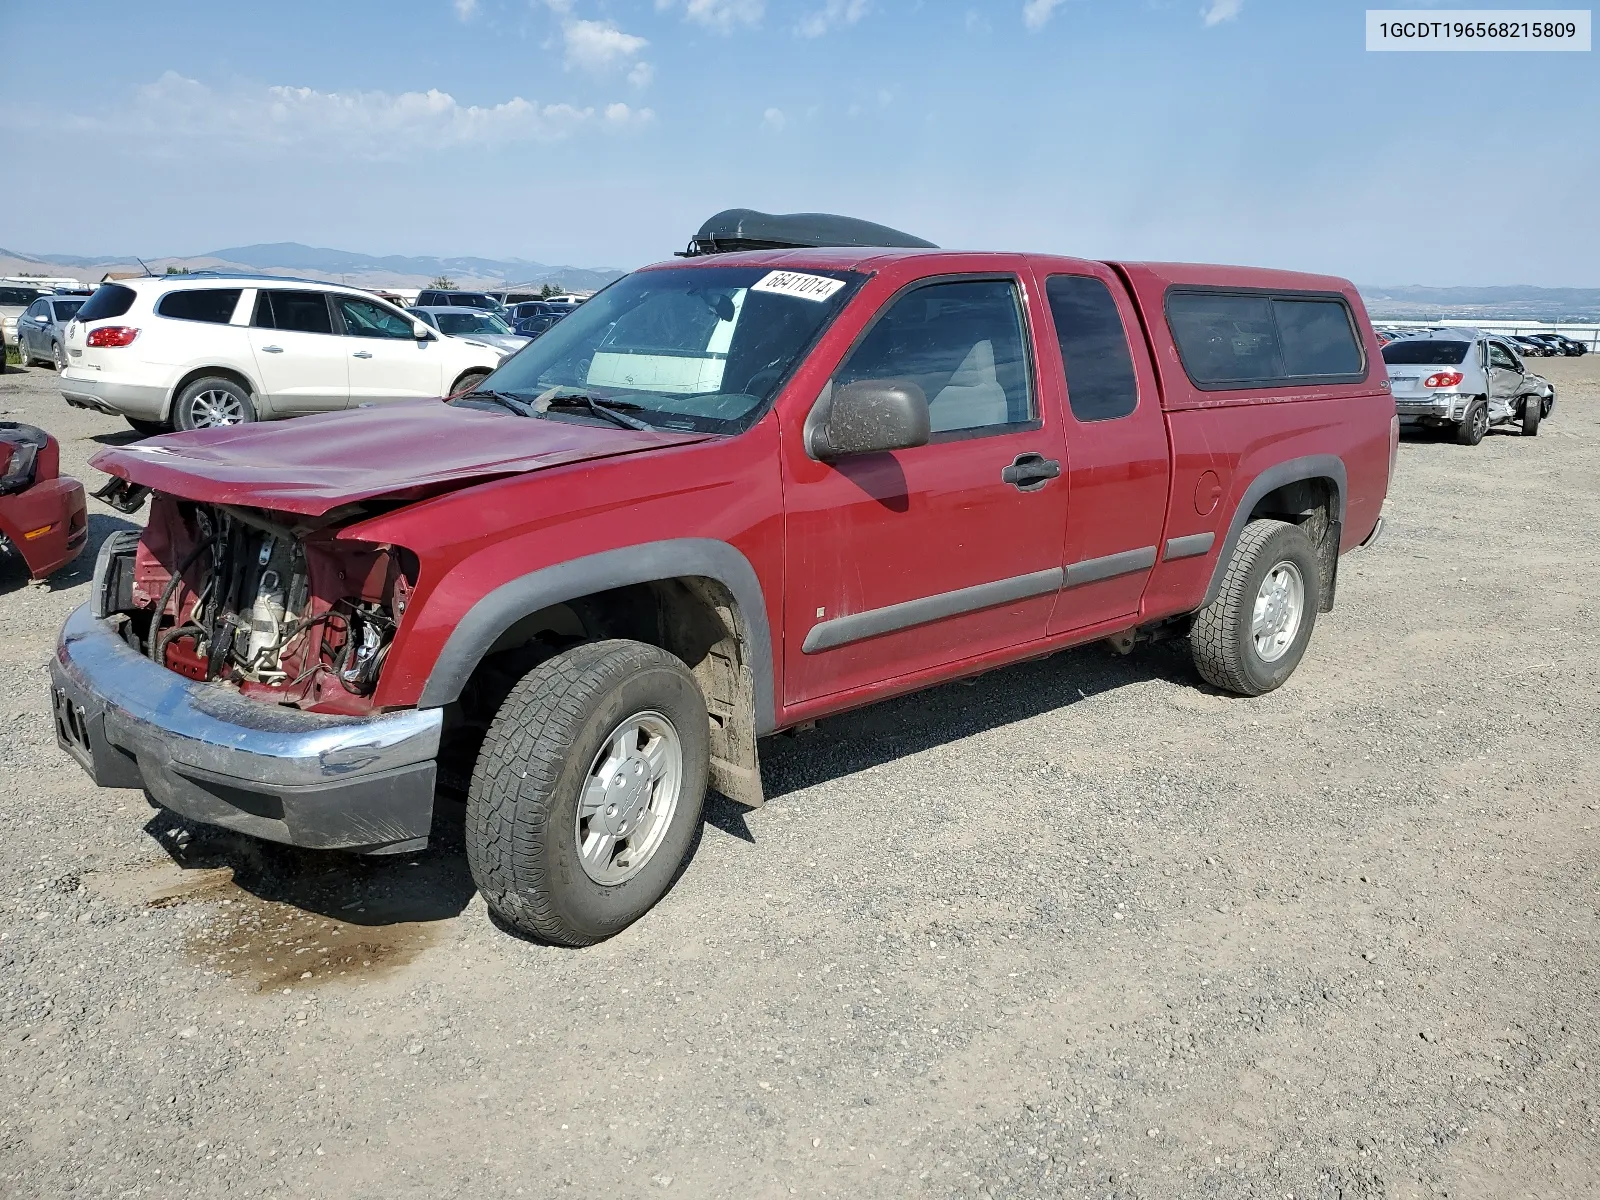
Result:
{"points": [[1530, 345]]}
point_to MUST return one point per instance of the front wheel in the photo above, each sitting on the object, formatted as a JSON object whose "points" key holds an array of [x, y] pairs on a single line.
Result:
{"points": [[1532, 411], [1474, 425], [212, 403], [1252, 636], [585, 800], [468, 382]]}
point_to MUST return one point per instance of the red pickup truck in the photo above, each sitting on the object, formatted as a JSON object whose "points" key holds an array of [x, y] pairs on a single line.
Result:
{"points": [[726, 496]]}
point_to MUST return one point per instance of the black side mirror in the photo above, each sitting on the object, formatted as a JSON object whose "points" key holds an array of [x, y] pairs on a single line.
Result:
{"points": [[871, 416]]}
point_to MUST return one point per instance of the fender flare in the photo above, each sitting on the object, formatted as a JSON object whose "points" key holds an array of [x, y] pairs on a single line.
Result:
{"points": [[1312, 466], [648, 562]]}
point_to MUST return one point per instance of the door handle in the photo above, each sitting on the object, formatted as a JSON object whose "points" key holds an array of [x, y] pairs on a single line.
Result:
{"points": [[362, 354], [1030, 472], [272, 349]]}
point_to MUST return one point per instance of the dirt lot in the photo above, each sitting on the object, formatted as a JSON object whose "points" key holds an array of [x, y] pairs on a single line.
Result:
{"points": [[1079, 928]]}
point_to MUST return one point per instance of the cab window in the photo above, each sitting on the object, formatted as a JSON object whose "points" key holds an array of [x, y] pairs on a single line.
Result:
{"points": [[963, 344]]}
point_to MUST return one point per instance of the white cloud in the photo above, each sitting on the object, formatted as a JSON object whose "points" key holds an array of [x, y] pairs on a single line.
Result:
{"points": [[774, 120], [1036, 13], [465, 9], [176, 111], [641, 75], [721, 16], [835, 14], [599, 45], [1217, 11]]}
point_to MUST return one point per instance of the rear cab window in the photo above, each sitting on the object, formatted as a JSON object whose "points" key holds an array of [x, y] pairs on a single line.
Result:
{"points": [[213, 306], [1235, 339], [1101, 385]]}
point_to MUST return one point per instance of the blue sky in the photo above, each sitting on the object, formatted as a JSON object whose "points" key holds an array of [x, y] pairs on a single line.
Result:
{"points": [[601, 134]]}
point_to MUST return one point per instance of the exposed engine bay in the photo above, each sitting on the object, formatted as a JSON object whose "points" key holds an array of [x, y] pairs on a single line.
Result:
{"points": [[274, 604]]}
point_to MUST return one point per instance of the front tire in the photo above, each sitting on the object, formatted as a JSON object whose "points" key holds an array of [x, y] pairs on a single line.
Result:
{"points": [[1474, 425], [586, 797], [1532, 411], [211, 403], [1252, 636]]}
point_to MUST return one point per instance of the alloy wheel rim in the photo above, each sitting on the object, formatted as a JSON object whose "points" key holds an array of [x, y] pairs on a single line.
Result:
{"points": [[214, 407], [1480, 422], [60, 356], [1280, 605], [629, 798]]}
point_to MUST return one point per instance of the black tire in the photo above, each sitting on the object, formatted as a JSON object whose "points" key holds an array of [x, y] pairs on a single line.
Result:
{"points": [[522, 804], [1221, 638], [468, 382], [58, 357], [147, 428], [189, 408], [1474, 424], [1532, 412]]}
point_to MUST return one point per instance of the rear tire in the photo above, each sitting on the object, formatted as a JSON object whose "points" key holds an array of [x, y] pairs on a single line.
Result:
{"points": [[1532, 411], [468, 382], [1253, 635], [211, 403], [1474, 425], [58, 357], [547, 869]]}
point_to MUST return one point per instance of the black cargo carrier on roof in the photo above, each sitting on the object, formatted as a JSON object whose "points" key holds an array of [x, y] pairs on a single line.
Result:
{"points": [[745, 229]]}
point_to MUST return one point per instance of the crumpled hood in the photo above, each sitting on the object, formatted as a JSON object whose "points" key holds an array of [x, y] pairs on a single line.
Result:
{"points": [[408, 450]]}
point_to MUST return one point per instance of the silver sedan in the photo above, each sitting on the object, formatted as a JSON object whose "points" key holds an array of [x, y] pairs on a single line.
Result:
{"points": [[1465, 380], [474, 324], [41, 329]]}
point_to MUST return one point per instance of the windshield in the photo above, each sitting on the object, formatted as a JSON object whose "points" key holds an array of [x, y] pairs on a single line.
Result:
{"points": [[1423, 353], [701, 348], [458, 323]]}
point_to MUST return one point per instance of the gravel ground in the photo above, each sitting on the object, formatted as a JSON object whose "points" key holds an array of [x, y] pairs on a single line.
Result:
{"points": [[1078, 928]]}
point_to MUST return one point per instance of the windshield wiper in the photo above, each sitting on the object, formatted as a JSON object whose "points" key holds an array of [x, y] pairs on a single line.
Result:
{"points": [[520, 407], [609, 410]]}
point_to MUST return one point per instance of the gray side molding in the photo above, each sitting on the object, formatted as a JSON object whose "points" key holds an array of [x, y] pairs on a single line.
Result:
{"points": [[856, 627], [1190, 546], [492, 615], [1313, 466], [1124, 562]]}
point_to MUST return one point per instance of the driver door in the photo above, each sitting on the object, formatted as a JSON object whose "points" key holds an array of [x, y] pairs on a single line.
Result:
{"points": [[1505, 378]]}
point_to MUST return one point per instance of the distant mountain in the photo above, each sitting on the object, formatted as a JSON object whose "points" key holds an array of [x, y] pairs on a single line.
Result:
{"points": [[1509, 303], [292, 256], [362, 270]]}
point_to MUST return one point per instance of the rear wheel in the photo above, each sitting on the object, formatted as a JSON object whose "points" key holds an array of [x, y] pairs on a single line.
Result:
{"points": [[1252, 636], [58, 355], [585, 800], [1532, 411], [211, 403], [1474, 425]]}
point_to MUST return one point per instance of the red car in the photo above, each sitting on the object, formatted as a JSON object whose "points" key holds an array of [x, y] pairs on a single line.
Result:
{"points": [[42, 512], [726, 496]]}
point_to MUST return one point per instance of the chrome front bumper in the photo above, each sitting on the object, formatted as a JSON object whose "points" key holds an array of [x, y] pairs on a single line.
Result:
{"points": [[327, 782]]}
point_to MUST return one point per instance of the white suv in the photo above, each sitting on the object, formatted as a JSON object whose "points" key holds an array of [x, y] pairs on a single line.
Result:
{"points": [[192, 351]]}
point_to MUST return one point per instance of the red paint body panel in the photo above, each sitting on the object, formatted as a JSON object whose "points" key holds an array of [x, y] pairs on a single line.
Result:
{"points": [[410, 449], [55, 503], [494, 496]]}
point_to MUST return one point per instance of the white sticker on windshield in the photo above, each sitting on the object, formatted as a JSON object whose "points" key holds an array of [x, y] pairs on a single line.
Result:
{"points": [[793, 283]]}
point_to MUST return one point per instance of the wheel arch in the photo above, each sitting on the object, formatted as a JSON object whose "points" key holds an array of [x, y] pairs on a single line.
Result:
{"points": [[232, 374], [1309, 490], [698, 598]]}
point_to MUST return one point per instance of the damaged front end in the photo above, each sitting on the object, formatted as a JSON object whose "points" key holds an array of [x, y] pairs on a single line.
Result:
{"points": [[275, 605]]}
